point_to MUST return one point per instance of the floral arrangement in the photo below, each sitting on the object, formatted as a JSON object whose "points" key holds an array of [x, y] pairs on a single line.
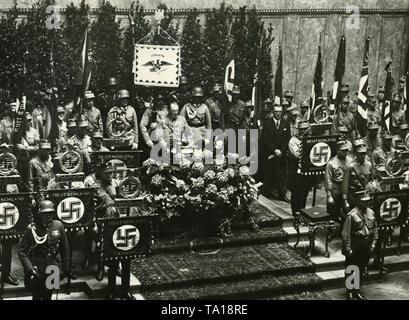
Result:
{"points": [[195, 190]]}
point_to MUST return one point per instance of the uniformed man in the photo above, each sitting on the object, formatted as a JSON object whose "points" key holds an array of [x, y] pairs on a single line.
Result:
{"points": [[286, 113], [96, 143], [375, 185], [359, 236], [106, 100], [372, 140], [40, 168], [42, 244], [343, 131], [38, 120], [345, 117], [215, 107], [124, 116], [182, 95], [356, 177], [7, 124], [401, 136], [289, 96], [71, 129], [90, 113], [267, 111], [381, 97], [149, 122], [299, 184], [198, 117], [374, 115], [62, 125], [397, 114], [344, 90], [381, 154], [29, 141], [334, 174], [294, 121], [105, 194], [402, 84], [174, 129], [80, 140], [305, 111]]}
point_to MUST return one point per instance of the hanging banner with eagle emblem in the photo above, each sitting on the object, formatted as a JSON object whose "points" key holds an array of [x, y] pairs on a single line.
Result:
{"points": [[14, 214], [391, 207], [125, 238], [315, 154], [157, 66]]}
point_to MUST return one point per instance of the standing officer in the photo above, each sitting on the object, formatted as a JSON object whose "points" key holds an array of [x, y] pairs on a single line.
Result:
{"points": [[237, 111], [359, 236], [356, 177], [397, 114], [126, 114], [90, 113], [71, 129], [334, 174], [381, 97], [289, 96], [380, 154], [62, 125], [106, 100], [215, 107], [198, 117], [372, 140], [182, 94], [299, 184], [344, 117], [42, 243], [374, 115], [7, 124], [96, 143], [274, 138], [304, 114], [40, 168], [105, 194]]}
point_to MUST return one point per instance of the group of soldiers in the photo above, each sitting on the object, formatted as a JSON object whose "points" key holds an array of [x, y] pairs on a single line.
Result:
{"points": [[353, 174], [157, 118], [83, 127]]}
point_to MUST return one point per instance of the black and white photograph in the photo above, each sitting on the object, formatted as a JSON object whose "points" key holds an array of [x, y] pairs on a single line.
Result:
{"points": [[216, 151]]}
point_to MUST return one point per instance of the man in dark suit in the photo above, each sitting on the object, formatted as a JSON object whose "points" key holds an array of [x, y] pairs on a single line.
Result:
{"points": [[274, 138]]}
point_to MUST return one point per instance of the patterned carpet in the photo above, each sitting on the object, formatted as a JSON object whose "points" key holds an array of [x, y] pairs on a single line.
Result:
{"points": [[248, 265]]}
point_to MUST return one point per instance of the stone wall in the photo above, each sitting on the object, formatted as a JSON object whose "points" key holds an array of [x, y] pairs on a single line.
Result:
{"points": [[298, 24]]}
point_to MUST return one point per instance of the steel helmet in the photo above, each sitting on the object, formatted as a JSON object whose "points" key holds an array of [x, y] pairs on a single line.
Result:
{"points": [[183, 80], [46, 206], [197, 92], [112, 82], [123, 94]]}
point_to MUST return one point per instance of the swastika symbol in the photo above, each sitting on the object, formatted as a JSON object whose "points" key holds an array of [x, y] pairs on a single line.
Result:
{"points": [[70, 210], [390, 209], [126, 237], [320, 154], [9, 215]]}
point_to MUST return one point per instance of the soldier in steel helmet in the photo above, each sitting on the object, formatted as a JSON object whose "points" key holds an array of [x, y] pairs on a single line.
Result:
{"points": [[124, 116], [107, 99], [198, 117], [44, 244]]}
